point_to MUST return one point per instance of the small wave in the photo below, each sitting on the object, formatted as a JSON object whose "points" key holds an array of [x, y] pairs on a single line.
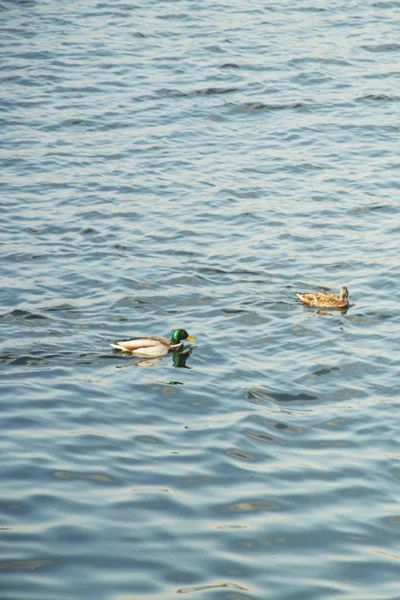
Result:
{"points": [[18, 565], [393, 47], [260, 436], [19, 314], [229, 66], [378, 97], [386, 4], [212, 91], [211, 586], [320, 61], [262, 395], [260, 106]]}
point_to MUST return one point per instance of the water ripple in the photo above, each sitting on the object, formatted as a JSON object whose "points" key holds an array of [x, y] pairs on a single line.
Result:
{"points": [[195, 165]]}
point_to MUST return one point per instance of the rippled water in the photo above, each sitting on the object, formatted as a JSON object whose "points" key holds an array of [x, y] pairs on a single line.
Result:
{"points": [[193, 164]]}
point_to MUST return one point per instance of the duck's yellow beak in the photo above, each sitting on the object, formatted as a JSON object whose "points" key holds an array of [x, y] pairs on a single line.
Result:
{"points": [[191, 339]]}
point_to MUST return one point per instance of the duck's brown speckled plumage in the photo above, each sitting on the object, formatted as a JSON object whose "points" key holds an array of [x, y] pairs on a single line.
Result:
{"points": [[327, 300]]}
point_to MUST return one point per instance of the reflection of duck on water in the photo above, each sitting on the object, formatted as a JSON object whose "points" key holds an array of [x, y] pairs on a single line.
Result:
{"points": [[324, 313], [178, 358], [153, 347], [326, 300]]}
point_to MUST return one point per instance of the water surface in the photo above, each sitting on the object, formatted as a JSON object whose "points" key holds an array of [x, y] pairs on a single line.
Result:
{"points": [[189, 164]]}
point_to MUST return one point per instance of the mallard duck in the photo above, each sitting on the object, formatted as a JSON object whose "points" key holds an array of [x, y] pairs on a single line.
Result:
{"points": [[327, 300], [154, 346]]}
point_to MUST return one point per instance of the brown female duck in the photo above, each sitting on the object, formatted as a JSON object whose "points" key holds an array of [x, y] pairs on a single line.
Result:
{"points": [[326, 300]]}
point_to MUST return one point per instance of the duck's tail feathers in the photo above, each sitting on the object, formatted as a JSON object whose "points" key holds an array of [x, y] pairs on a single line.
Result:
{"points": [[118, 347]]}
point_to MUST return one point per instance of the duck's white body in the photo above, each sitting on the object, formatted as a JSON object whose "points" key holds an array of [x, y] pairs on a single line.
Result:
{"points": [[149, 346]]}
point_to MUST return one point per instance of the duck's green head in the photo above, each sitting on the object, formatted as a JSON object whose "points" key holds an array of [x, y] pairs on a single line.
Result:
{"points": [[181, 334]]}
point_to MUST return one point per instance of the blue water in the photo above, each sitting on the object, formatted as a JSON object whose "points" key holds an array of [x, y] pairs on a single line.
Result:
{"points": [[192, 164]]}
